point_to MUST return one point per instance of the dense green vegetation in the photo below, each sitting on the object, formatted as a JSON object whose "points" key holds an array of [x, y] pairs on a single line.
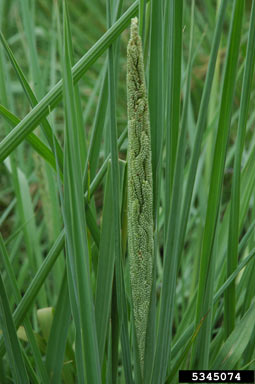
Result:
{"points": [[66, 311]]}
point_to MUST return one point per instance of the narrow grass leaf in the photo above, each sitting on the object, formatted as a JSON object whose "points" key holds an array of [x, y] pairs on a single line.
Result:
{"points": [[121, 299], [142, 16], [34, 287], [29, 28], [97, 130], [52, 255], [233, 275], [205, 295], [92, 224], [58, 334], [106, 260], [178, 183], [171, 233], [184, 354], [233, 235], [10, 338], [29, 331], [53, 97], [173, 56], [33, 101], [183, 339], [31, 232], [200, 127], [79, 116], [32, 139], [231, 351], [75, 222], [100, 119], [155, 95]]}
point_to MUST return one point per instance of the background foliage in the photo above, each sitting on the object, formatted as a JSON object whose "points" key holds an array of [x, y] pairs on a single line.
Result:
{"points": [[63, 199]]}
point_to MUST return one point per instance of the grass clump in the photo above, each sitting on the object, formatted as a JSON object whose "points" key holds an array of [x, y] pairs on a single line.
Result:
{"points": [[127, 217]]}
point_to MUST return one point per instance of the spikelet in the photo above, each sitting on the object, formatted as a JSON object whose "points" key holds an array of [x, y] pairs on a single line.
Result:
{"points": [[140, 204]]}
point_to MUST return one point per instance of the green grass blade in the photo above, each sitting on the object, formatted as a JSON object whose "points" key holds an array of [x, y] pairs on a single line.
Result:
{"points": [[32, 99], [201, 124], [28, 328], [105, 271], [28, 22], [73, 294], [92, 224], [247, 187], [109, 378], [173, 56], [35, 142], [230, 295], [170, 263], [53, 97], [10, 338], [100, 120], [97, 130], [52, 256], [142, 15], [200, 358], [75, 223], [7, 211], [30, 370], [34, 287], [121, 300], [178, 182], [58, 334], [233, 275], [231, 351], [31, 233], [156, 108], [155, 95], [80, 127], [184, 354], [189, 328], [114, 334]]}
